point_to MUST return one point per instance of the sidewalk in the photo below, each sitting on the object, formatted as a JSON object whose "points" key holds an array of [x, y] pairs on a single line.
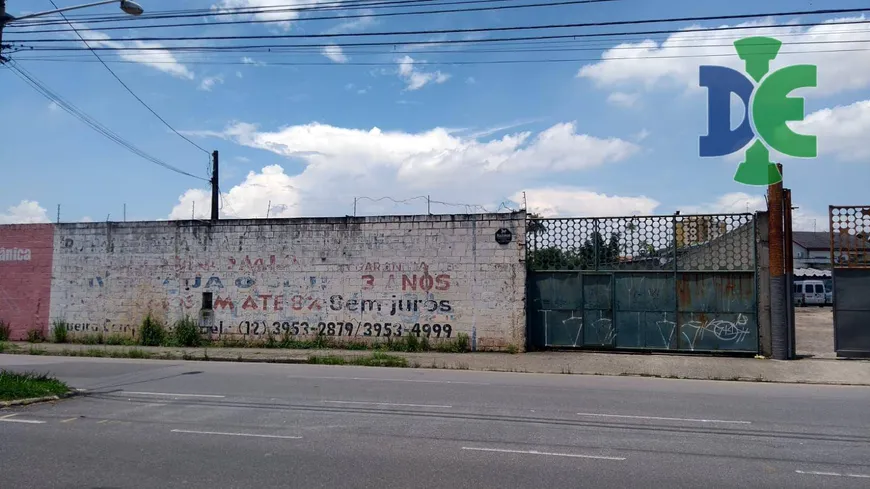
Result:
{"points": [[810, 371]]}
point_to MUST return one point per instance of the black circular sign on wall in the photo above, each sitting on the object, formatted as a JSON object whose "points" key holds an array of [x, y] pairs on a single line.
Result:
{"points": [[503, 236]]}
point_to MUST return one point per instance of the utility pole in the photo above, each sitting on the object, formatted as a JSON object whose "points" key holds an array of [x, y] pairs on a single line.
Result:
{"points": [[778, 322], [215, 187], [3, 20], [788, 255]]}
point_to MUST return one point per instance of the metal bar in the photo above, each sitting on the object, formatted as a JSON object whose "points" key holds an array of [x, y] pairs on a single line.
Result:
{"points": [[778, 326], [755, 281], [640, 217], [788, 253], [595, 235]]}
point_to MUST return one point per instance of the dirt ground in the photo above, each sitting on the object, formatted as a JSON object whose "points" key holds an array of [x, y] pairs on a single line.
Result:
{"points": [[814, 331]]}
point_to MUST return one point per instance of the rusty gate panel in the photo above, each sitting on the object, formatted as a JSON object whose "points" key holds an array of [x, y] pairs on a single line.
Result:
{"points": [[717, 312], [850, 262], [679, 283]]}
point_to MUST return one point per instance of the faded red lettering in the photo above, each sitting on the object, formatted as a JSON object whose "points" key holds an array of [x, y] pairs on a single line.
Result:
{"points": [[265, 298], [250, 303], [368, 282], [220, 303], [426, 282], [442, 282], [279, 302], [409, 283]]}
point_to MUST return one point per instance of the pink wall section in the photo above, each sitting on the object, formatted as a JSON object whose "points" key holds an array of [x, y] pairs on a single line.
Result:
{"points": [[26, 253]]}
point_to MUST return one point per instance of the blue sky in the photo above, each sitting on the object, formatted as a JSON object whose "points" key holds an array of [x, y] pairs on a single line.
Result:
{"points": [[585, 137]]}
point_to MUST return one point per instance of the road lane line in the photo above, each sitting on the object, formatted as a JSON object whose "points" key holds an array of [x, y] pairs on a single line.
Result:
{"points": [[8, 416], [392, 380], [169, 394], [102, 421], [833, 474], [69, 420], [659, 418], [550, 454], [392, 404], [28, 421], [236, 434]]}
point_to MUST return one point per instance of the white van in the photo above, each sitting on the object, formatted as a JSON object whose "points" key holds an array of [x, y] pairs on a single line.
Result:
{"points": [[809, 293]]}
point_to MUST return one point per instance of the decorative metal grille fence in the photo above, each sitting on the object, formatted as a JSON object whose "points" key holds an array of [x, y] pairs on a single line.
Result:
{"points": [[643, 282], [850, 236], [850, 261]]}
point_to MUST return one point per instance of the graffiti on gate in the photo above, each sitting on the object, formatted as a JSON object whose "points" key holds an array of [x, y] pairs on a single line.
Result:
{"points": [[694, 331]]}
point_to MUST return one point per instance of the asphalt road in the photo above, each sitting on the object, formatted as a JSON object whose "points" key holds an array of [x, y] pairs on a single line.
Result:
{"points": [[159, 424]]}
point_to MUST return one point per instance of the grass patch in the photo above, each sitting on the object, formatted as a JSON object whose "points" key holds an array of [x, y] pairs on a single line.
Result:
{"points": [[186, 333], [88, 339], [120, 340], [14, 386], [152, 333], [376, 359], [59, 331], [5, 331], [35, 335]]}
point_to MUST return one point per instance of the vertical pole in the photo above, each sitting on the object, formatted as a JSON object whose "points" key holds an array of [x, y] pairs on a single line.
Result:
{"points": [[215, 187], [778, 325], [125, 212], [677, 322], [58, 205], [268, 209], [789, 272], [2, 25], [354, 207], [428, 205]]}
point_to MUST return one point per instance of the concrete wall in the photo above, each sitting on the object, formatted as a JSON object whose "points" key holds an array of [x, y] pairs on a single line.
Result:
{"points": [[25, 277], [345, 277]]}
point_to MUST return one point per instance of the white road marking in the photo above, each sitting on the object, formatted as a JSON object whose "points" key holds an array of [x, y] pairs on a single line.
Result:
{"points": [[551, 454], [236, 434], [833, 474], [6, 419], [659, 418], [391, 404], [69, 420], [169, 394], [8, 416], [393, 380]]}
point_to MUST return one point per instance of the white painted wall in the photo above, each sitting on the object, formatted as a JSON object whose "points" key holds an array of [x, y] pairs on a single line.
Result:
{"points": [[347, 274]]}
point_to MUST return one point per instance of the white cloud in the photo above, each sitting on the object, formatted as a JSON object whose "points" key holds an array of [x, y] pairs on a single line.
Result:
{"points": [[209, 82], [268, 191], [623, 99], [277, 11], [53, 107], [375, 163], [86, 219], [642, 135], [26, 212], [354, 25], [148, 53], [569, 201], [470, 80], [335, 53], [251, 61], [841, 131], [416, 79], [740, 202], [676, 60], [239, 74]]}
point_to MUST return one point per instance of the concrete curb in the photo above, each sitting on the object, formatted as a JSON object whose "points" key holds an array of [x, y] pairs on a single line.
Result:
{"points": [[37, 400], [759, 369]]}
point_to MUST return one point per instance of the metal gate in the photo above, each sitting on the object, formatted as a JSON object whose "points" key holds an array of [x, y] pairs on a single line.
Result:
{"points": [[685, 283], [850, 262]]}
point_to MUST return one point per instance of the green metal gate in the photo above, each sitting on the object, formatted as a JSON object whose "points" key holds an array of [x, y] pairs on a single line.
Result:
{"points": [[684, 283]]}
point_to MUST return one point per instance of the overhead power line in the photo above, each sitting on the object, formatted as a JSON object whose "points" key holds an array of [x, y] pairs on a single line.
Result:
{"points": [[345, 17], [71, 109], [474, 30], [182, 136], [490, 40], [289, 9], [487, 61]]}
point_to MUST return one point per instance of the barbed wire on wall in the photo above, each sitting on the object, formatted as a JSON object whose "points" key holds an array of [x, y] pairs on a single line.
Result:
{"points": [[468, 207]]}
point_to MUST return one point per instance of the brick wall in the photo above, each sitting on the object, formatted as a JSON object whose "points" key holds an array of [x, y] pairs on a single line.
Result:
{"points": [[347, 277], [25, 277]]}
